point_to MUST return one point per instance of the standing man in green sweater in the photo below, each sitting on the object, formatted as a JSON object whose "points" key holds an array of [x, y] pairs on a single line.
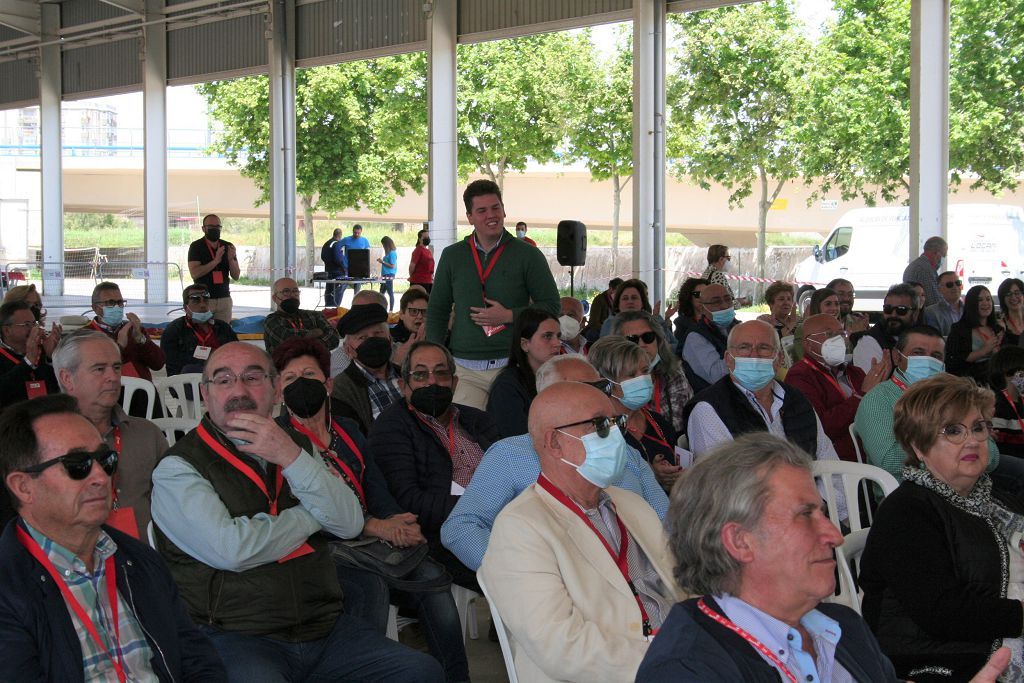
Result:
{"points": [[489, 277]]}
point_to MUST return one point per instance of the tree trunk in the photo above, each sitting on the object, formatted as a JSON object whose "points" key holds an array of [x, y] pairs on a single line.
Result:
{"points": [[762, 228], [307, 217]]}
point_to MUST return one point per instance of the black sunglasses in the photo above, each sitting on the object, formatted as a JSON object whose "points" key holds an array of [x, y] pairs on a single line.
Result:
{"points": [[602, 385], [602, 424], [78, 465], [198, 297], [646, 338], [953, 283], [898, 310]]}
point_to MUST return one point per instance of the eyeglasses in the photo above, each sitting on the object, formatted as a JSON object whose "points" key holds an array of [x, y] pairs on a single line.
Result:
{"points": [[252, 378], [110, 303], [1013, 292], [602, 424], [725, 300], [898, 310], [196, 298], [79, 465], [748, 350], [646, 338], [956, 433], [288, 292], [442, 375], [212, 225], [416, 312], [828, 334], [955, 283], [30, 323]]}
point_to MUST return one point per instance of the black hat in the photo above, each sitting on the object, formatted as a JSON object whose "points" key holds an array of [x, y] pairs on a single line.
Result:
{"points": [[360, 316]]}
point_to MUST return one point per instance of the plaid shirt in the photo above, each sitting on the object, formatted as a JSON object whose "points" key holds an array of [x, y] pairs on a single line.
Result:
{"points": [[465, 453], [382, 392], [90, 591], [279, 327]]}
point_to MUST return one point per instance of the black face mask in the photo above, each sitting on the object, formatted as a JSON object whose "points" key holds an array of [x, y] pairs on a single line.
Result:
{"points": [[305, 397], [374, 352], [426, 241], [432, 399], [289, 306], [213, 234]]}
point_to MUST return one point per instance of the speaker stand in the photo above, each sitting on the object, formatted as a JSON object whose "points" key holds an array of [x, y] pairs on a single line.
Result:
{"points": [[572, 287]]}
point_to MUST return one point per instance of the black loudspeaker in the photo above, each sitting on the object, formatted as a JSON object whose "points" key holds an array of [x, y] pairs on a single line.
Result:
{"points": [[572, 243], [358, 263]]}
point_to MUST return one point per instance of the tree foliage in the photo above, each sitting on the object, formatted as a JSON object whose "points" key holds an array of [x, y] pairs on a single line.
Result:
{"points": [[733, 96]]}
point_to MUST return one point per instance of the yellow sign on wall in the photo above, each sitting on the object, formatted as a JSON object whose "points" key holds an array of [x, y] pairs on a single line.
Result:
{"points": [[779, 205]]}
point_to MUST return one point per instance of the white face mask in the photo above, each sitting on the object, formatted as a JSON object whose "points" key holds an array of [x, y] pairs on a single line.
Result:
{"points": [[833, 351], [569, 326]]}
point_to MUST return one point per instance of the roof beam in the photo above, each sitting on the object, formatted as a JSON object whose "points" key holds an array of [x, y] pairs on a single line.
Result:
{"points": [[133, 6], [20, 15]]}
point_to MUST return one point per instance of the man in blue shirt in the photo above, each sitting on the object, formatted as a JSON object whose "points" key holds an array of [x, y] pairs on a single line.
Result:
{"points": [[512, 464], [341, 247]]}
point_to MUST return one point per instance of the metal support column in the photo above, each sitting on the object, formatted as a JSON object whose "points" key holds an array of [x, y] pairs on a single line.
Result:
{"points": [[50, 151], [929, 120], [282, 138], [442, 40], [649, 145], [154, 99]]}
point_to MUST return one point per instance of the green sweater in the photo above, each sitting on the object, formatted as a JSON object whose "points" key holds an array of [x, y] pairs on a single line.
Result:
{"points": [[874, 427], [520, 278]]}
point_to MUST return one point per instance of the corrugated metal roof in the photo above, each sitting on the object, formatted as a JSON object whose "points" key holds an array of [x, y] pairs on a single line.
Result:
{"points": [[8, 33], [20, 85], [235, 45], [340, 27], [488, 16], [112, 67], [75, 12]]}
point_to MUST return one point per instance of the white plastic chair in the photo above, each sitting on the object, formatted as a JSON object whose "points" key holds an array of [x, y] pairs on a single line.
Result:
{"points": [[134, 384], [504, 637], [151, 535], [865, 490], [851, 474], [467, 616], [171, 426], [396, 623], [856, 442], [848, 563], [174, 396]]}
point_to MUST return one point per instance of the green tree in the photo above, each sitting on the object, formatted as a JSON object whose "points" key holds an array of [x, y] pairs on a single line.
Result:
{"points": [[360, 133], [513, 99], [856, 127], [601, 134], [733, 96]]}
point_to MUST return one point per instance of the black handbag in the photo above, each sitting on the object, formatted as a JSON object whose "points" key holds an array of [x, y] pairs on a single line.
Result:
{"points": [[391, 563]]}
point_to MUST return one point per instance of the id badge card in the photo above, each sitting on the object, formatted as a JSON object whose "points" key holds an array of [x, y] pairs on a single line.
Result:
{"points": [[491, 330], [123, 519], [218, 277], [34, 389], [202, 352]]}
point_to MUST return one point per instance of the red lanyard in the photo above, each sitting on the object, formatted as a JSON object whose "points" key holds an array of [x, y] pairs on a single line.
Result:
{"points": [[204, 338], [295, 326], [657, 395], [14, 359], [111, 578], [235, 462], [346, 471], [754, 642], [451, 431], [832, 380], [117, 447], [661, 435], [1006, 395], [898, 382], [619, 557], [213, 252], [484, 274]]}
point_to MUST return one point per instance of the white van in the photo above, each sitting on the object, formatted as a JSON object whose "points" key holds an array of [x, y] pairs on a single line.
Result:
{"points": [[869, 247]]}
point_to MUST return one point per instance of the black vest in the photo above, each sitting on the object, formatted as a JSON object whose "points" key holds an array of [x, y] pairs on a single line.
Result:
{"points": [[296, 601], [685, 326], [798, 417]]}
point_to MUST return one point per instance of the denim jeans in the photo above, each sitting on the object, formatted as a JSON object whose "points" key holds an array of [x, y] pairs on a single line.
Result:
{"points": [[367, 596], [351, 652], [331, 297], [387, 286]]}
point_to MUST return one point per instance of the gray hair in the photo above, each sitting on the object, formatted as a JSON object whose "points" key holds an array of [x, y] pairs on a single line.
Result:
{"points": [[934, 243], [68, 354], [730, 484], [669, 363], [548, 372], [614, 356], [377, 298], [103, 287], [421, 344], [774, 334]]}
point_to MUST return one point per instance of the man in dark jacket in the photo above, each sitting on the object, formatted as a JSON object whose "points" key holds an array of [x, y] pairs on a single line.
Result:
{"points": [[750, 536], [25, 347], [188, 341], [370, 382], [58, 557], [428, 447]]}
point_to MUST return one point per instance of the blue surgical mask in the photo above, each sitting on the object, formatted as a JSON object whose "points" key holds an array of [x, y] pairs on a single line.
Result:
{"points": [[754, 373], [636, 392], [606, 458], [202, 317], [112, 315], [724, 317], [922, 367]]}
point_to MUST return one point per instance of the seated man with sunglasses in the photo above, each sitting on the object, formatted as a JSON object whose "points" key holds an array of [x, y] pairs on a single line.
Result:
{"points": [[579, 569], [80, 600], [188, 341], [943, 314], [511, 466], [899, 312]]}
